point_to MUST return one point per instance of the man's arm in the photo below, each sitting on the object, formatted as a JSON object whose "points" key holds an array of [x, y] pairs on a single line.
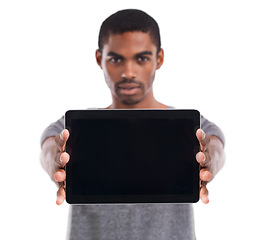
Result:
{"points": [[53, 159], [211, 158]]}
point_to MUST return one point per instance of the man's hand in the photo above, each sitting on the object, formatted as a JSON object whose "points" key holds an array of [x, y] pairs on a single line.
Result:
{"points": [[54, 159], [211, 158], [60, 160]]}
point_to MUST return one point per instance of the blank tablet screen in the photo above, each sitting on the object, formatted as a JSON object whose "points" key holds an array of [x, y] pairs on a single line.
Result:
{"points": [[132, 156]]}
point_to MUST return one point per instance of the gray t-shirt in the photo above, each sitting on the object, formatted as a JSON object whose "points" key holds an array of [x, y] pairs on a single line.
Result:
{"points": [[131, 221]]}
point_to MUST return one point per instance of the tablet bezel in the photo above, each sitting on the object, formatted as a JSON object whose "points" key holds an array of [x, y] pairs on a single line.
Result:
{"points": [[194, 115]]}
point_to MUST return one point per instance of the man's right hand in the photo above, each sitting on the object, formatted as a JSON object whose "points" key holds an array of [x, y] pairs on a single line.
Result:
{"points": [[61, 159], [54, 159]]}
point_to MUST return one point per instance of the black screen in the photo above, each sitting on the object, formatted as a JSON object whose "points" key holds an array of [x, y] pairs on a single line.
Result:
{"points": [[120, 159]]}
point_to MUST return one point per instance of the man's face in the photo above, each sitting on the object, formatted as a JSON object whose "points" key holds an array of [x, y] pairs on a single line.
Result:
{"points": [[129, 62]]}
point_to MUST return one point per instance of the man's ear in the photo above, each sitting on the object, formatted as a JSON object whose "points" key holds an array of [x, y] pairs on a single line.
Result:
{"points": [[160, 58], [98, 56]]}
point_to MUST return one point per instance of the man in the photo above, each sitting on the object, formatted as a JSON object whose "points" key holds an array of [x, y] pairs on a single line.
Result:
{"points": [[129, 54]]}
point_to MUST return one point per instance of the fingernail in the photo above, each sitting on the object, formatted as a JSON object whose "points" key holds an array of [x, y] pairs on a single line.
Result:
{"points": [[61, 135], [203, 135], [60, 159], [204, 159]]}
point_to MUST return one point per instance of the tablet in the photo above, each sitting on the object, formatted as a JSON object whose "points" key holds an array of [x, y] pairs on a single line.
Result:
{"points": [[132, 156]]}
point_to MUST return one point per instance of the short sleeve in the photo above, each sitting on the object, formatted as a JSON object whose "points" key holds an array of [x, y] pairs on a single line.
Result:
{"points": [[211, 129], [53, 130]]}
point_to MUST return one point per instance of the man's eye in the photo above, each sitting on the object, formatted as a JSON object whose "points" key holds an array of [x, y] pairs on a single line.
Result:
{"points": [[143, 59], [115, 60]]}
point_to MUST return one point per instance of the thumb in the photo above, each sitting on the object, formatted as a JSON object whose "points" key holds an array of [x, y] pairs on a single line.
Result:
{"points": [[62, 138], [203, 138]]}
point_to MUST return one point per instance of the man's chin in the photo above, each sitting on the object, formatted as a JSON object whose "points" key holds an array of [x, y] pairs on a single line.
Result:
{"points": [[130, 101]]}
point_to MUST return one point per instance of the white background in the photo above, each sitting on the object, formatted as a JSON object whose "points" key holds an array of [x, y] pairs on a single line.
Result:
{"points": [[47, 66]]}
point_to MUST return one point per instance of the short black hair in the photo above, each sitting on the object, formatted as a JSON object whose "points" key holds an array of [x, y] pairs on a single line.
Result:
{"points": [[129, 20]]}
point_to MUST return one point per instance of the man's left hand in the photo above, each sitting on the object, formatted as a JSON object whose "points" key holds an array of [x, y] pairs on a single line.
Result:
{"points": [[211, 159]]}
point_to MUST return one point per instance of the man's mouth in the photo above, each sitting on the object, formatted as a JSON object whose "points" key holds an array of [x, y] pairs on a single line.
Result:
{"points": [[128, 88]]}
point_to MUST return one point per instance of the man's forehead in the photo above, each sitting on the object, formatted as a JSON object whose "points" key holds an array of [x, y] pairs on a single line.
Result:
{"points": [[132, 41]]}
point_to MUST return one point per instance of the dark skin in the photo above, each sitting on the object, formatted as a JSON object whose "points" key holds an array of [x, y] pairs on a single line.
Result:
{"points": [[129, 62]]}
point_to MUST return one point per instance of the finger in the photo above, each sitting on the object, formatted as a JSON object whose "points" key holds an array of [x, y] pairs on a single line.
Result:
{"points": [[60, 175], [203, 138], [60, 196], [62, 158], [62, 138], [205, 175], [203, 158], [204, 195]]}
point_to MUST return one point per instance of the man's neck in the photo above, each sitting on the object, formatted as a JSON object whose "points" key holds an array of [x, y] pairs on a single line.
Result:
{"points": [[156, 105], [152, 104]]}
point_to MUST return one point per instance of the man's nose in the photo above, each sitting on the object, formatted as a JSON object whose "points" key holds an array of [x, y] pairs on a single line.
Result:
{"points": [[129, 71]]}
